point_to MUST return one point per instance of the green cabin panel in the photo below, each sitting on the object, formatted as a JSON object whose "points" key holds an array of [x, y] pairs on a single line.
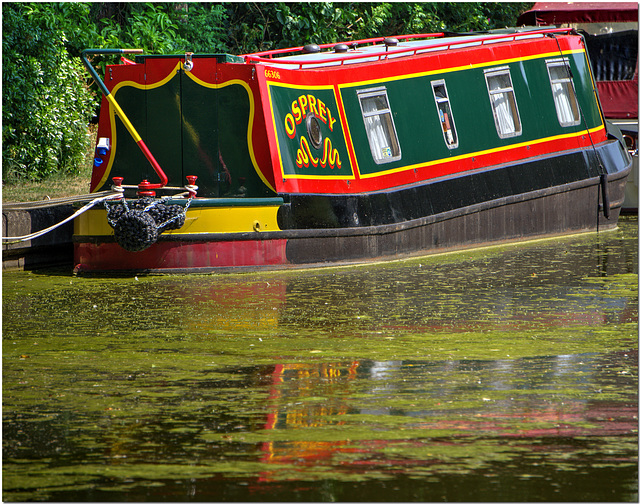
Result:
{"points": [[234, 113], [200, 140], [292, 108], [129, 161], [163, 135], [417, 124], [190, 129]]}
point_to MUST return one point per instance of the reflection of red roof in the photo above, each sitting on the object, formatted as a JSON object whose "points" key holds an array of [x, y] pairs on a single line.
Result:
{"points": [[549, 13]]}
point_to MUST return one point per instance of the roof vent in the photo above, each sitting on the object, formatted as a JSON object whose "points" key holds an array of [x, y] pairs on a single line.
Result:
{"points": [[311, 49], [390, 42], [341, 48]]}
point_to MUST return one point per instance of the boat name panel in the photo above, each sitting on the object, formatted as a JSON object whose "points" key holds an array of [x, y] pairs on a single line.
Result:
{"points": [[309, 137]]}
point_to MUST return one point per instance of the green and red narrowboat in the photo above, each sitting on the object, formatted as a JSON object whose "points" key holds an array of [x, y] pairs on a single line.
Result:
{"points": [[370, 150]]}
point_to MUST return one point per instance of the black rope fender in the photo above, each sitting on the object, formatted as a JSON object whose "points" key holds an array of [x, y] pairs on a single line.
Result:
{"points": [[137, 224]]}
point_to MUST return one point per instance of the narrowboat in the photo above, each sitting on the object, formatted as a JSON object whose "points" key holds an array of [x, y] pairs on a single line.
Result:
{"points": [[611, 34], [341, 153]]}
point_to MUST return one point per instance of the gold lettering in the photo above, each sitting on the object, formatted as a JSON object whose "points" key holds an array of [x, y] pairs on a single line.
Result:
{"points": [[296, 112], [330, 156], [290, 126], [331, 120], [304, 156], [321, 111], [303, 105], [312, 104]]}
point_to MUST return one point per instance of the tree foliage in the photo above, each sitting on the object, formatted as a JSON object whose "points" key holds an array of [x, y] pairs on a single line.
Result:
{"points": [[46, 104], [262, 26], [48, 98]]}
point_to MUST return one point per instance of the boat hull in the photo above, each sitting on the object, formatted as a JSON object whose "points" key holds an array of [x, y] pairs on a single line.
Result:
{"points": [[586, 204]]}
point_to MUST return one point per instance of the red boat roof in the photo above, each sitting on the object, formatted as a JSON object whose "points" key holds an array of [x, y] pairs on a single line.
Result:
{"points": [[549, 13], [371, 50]]}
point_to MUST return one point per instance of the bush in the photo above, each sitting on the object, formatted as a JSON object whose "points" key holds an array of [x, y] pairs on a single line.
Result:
{"points": [[202, 27], [46, 104]]}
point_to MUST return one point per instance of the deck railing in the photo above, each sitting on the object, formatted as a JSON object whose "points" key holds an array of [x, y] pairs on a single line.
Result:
{"points": [[373, 41], [342, 58]]}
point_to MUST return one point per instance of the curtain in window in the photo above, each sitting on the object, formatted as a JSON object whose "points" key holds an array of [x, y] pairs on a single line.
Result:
{"points": [[379, 137], [501, 104], [506, 125], [563, 95], [563, 103]]}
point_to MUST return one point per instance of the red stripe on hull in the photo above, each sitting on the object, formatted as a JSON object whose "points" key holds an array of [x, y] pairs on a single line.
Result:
{"points": [[180, 255], [442, 168]]}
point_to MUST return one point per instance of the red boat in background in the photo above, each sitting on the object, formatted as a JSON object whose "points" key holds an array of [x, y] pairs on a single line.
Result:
{"points": [[611, 34]]}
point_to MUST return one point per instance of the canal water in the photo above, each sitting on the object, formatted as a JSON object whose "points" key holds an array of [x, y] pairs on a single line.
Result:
{"points": [[503, 374]]}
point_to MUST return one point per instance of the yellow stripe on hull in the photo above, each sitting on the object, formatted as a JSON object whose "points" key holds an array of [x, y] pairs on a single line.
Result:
{"points": [[235, 219]]}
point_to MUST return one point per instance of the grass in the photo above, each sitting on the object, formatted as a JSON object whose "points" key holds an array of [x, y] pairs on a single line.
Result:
{"points": [[57, 186], [54, 187]]}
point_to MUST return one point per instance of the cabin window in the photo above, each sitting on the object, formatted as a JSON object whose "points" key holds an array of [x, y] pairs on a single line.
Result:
{"points": [[564, 94], [503, 102], [444, 113], [378, 122]]}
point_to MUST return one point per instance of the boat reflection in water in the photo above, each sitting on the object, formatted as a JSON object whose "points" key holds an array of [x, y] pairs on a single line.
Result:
{"points": [[437, 416]]}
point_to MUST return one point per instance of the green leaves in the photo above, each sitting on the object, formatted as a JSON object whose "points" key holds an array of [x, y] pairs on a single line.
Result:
{"points": [[48, 98], [262, 26], [46, 105]]}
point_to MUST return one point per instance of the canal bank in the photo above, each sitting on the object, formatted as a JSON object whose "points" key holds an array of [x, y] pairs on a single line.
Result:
{"points": [[54, 248], [39, 234]]}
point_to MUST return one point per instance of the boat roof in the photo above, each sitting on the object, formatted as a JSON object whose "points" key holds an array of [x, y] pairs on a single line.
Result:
{"points": [[371, 50], [580, 12]]}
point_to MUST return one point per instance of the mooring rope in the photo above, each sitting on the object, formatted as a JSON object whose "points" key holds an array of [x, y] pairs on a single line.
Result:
{"points": [[30, 205], [109, 195]]}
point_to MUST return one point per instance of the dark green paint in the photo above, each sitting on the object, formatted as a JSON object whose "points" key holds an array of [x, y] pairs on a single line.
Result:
{"points": [[220, 58], [229, 202], [163, 129], [233, 123], [130, 162], [282, 99], [189, 128], [417, 124]]}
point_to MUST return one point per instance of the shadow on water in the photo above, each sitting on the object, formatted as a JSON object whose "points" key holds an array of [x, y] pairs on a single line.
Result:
{"points": [[504, 374]]}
